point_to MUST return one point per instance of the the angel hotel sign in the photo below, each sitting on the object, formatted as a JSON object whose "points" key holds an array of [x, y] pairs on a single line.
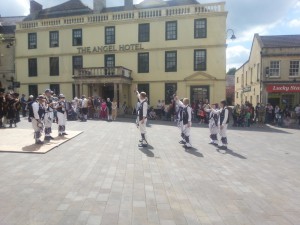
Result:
{"points": [[281, 88], [109, 48]]}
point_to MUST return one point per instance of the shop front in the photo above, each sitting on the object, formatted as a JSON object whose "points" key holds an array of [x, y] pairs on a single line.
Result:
{"points": [[283, 94]]}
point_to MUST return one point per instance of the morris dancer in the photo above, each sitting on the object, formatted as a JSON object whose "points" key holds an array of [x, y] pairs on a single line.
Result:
{"points": [[37, 113], [48, 115], [61, 115], [213, 124], [223, 121], [142, 117], [186, 120]]}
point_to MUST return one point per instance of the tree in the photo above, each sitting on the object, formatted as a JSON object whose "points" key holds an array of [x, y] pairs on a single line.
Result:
{"points": [[231, 71]]}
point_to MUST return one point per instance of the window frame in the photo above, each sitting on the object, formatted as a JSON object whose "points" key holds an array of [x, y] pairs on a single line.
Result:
{"points": [[166, 61], [167, 31], [274, 69], [293, 71], [144, 32], [30, 39], [51, 45], [73, 65], [53, 71], [196, 66], [74, 40], [32, 72], [111, 35], [197, 35], [140, 68]]}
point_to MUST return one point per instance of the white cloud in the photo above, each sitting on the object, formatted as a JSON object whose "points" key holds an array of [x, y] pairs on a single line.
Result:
{"points": [[294, 23], [237, 55]]}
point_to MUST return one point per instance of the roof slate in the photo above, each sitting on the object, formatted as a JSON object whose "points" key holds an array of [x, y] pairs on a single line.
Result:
{"points": [[278, 41]]}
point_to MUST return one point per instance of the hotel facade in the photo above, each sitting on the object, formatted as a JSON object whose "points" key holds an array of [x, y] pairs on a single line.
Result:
{"points": [[162, 47], [272, 73]]}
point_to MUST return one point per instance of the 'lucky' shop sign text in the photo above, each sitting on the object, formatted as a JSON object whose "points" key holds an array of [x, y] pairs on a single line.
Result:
{"points": [[109, 48]]}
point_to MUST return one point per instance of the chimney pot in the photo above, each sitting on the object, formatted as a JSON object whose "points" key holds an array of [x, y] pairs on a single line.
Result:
{"points": [[99, 5]]}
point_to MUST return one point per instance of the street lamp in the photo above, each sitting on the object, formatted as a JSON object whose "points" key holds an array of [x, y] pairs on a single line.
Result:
{"points": [[233, 37]]}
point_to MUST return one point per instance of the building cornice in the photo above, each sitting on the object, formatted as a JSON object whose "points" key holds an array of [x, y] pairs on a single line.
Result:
{"points": [[165, 13]]}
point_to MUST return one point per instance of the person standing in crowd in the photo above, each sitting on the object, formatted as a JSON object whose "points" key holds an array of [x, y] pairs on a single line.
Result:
{"points": [[186, 119], [36, 114], [49, 115], [23, 105], [84, 108], [114, 109], [103, 110], [61, 115], [213, 123], [109, 109], [142, 117], [2, 111], [261, 112], [269, 115], [11, 110], [223, 121]]}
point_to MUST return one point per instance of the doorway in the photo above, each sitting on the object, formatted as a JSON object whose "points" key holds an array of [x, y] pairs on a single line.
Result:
{"points": [[108, 91]]}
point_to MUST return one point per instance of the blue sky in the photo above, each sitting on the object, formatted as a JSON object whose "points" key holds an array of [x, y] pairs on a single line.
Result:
{"points": [[246, 17]]}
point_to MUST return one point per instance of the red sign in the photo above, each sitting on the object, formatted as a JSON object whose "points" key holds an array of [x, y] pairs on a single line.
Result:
{"points": [[283, 88]]}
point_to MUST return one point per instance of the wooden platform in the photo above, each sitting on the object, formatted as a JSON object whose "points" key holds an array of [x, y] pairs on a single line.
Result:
{"points": [[22, 141]]}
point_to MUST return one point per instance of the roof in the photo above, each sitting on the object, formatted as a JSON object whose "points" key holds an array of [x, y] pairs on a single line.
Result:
{"points": [[280, 41], [69, 8]]}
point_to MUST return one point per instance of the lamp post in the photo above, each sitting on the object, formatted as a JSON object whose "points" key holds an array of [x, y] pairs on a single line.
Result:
{"points": [[233, 37]]}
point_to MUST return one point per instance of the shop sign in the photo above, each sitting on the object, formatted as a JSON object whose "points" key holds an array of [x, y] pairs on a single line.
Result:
{"points": [[109, 48], [283, 88], [247, 89]]}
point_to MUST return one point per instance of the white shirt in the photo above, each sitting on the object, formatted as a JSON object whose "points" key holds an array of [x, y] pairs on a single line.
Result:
{"points": [[35, 109], [84, 103]]}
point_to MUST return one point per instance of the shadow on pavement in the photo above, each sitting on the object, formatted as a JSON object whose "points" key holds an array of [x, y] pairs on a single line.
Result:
{"points": [[146, 151], [193, 151], [231, 152]]}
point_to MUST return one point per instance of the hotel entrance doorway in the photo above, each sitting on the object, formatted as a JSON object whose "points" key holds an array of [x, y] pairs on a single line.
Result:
{"points": [[108, 91]]}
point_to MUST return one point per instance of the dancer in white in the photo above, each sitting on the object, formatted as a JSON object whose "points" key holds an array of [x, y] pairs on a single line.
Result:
{"points": [[142, 117], [213, 124], [223, 121], [61, 115], [186, 120]]}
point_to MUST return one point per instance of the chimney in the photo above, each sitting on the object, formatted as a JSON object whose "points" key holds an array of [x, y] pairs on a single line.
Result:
{"points": [[99, 5], [128, 4], [35, 7]]}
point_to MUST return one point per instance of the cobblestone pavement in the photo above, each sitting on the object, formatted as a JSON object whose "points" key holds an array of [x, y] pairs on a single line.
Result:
{"points": [[101, 177]]}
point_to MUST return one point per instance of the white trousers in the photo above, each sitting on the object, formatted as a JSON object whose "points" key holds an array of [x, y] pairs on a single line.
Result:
{"points": [[61, 118], [142, 126], [213, 129], [48, 119], [223, 131], [35, 126]]}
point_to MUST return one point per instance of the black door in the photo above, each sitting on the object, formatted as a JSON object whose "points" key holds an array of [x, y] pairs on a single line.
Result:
{"points": [[108, 91]]}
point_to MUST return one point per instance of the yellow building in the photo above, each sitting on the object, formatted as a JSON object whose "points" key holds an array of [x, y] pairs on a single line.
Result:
{"points": [[7, 51], [271, 75], [160, 46]]}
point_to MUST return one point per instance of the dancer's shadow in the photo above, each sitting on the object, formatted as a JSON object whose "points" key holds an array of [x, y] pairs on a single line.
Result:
{"points": [[230, 152], [32, 148], [146, 151], [193, 151]]}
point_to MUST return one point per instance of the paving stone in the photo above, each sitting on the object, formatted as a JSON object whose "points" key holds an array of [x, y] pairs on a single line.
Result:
{"points": [[102, 177]]}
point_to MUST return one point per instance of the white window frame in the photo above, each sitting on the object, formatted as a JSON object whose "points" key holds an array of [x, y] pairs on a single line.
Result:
{"points": [[274, 71], [292, 71]]}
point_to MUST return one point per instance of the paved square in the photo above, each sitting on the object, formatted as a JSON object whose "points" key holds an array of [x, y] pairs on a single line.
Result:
{"points": [[23, 141], [101, 177]]}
